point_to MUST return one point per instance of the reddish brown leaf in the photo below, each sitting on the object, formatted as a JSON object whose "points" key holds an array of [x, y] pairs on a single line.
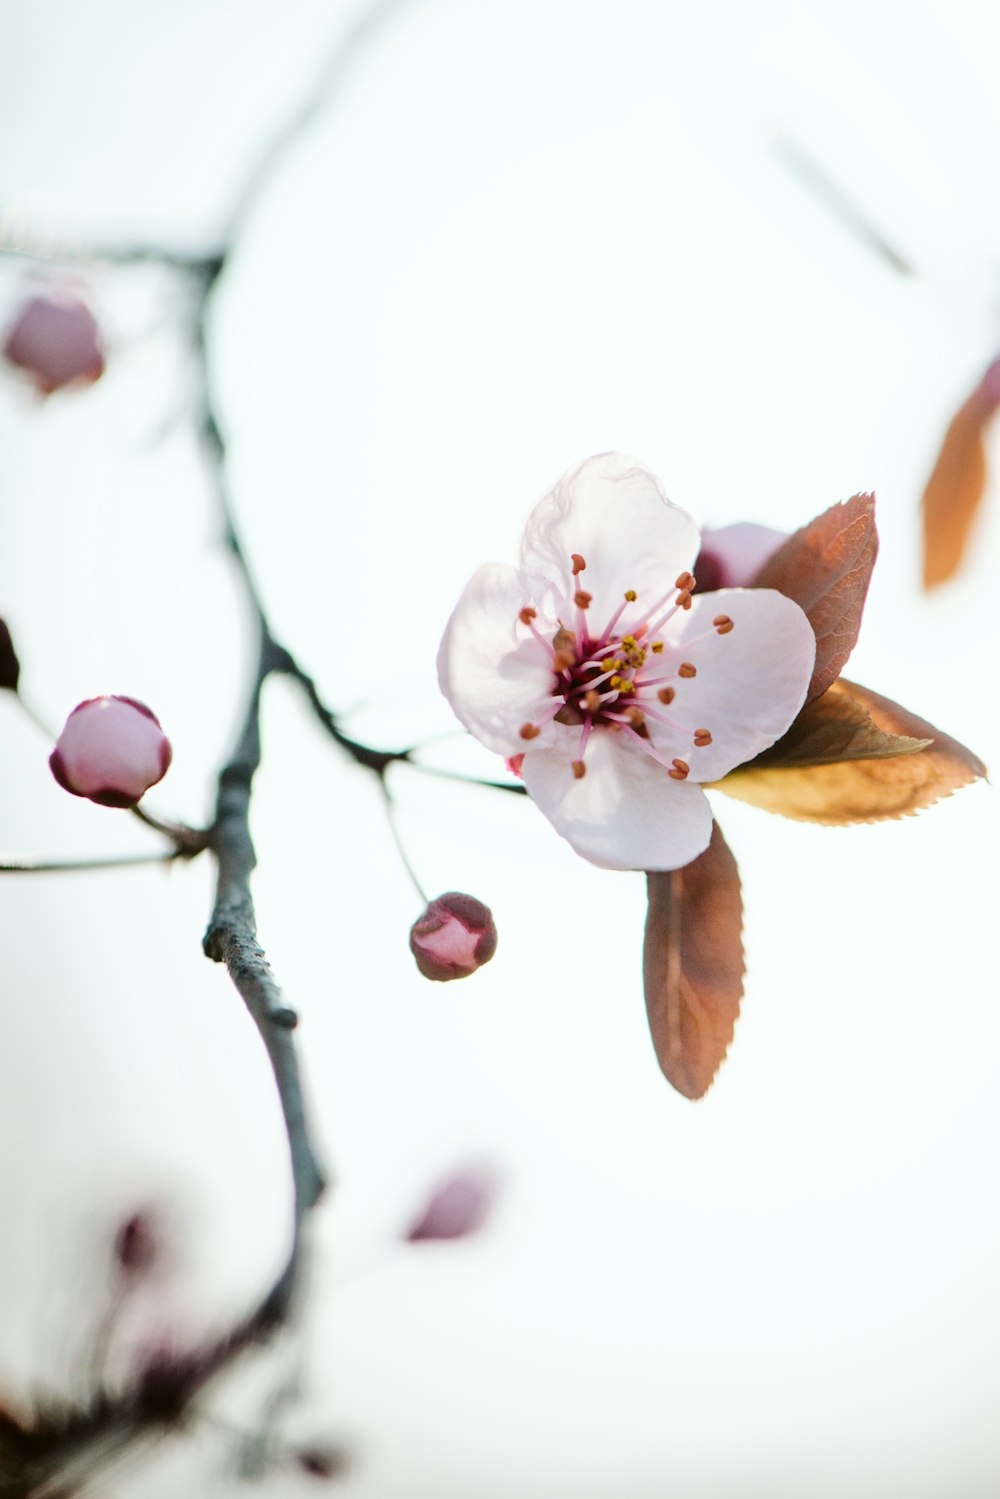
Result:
{"points": [[957, 483], [692, 965], [867, 789], [826, 568]]}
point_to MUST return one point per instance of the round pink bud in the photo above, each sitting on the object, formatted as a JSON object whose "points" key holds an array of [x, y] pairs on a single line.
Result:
{"points": [[458, 1207], [111, 750], [732, 556], [453, 937], [55, 339]]}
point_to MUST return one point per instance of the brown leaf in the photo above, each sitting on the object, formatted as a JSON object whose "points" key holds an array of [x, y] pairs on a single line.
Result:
{"points": [[826, 568], [692, 965], [957, 483], [867, 789], [835, 727]]}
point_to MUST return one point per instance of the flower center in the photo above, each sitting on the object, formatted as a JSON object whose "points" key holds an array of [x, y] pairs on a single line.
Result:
{"points": [[622, 682]]}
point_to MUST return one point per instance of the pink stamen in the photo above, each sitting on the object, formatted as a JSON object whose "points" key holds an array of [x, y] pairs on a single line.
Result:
{"points": [[606, 635]]}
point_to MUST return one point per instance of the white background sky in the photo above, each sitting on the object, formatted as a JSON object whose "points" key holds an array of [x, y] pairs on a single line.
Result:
{"points": [[519, 234]]}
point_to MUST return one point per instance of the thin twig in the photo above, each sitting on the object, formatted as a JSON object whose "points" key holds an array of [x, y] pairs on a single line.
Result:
{"points": [[13, 864]]}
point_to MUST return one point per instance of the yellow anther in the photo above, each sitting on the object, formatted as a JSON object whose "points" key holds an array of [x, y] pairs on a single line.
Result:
{"points": [[630, 595], [656, 647]]}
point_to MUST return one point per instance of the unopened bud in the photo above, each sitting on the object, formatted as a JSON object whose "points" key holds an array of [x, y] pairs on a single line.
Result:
{"points": [[111, 750], [453, 937], [10, 666], [54, 338], [459, 1206], [732, 556]]}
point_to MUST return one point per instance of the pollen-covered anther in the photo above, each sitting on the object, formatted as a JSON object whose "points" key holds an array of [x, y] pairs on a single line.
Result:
{"points": [[679, 771], [702, 737], [578, 563], [722, 623], [582, 598], [529, 731], [685, 582], [687, 669], [527, 614], [579, 770], [591, 700], [656, 647], [667, 694], [630, 595]]}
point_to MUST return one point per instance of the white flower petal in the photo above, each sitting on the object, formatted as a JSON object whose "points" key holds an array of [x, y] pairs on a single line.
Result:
{"points": [[494, 677], [626, 812], [615, 514], [750, 682]]}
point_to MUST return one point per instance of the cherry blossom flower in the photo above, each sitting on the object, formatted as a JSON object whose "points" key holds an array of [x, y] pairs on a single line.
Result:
{"points": [[111, 750], [622, 689]]}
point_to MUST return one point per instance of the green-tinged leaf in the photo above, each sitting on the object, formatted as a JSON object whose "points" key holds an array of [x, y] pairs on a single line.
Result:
{"points": [[866, 789], [693, 965], [955, 489], [826, 568], [835, 727]]}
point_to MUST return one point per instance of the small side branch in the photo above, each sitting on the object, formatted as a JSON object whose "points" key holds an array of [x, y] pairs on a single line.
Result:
{"points": [[231, 938]]}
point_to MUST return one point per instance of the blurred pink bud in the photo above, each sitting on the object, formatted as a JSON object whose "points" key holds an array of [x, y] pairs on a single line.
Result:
{"points": [[111, 750], [732, 556], [459, 1206], [136, 1246], [10, 666], [55, 339], [453, 937]]}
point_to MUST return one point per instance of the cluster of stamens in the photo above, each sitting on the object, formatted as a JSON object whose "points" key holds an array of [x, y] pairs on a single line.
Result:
{"points": [[619, 682]]}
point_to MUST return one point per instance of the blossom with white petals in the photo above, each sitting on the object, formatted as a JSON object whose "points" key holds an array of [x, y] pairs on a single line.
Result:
{"points": [[614, 686]]}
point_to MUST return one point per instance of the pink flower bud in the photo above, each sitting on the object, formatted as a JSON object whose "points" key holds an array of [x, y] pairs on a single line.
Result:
{"points": [[458, 1207], [111, 750], [55, 339], [453, 937], [10, 666], [732, 556]]}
